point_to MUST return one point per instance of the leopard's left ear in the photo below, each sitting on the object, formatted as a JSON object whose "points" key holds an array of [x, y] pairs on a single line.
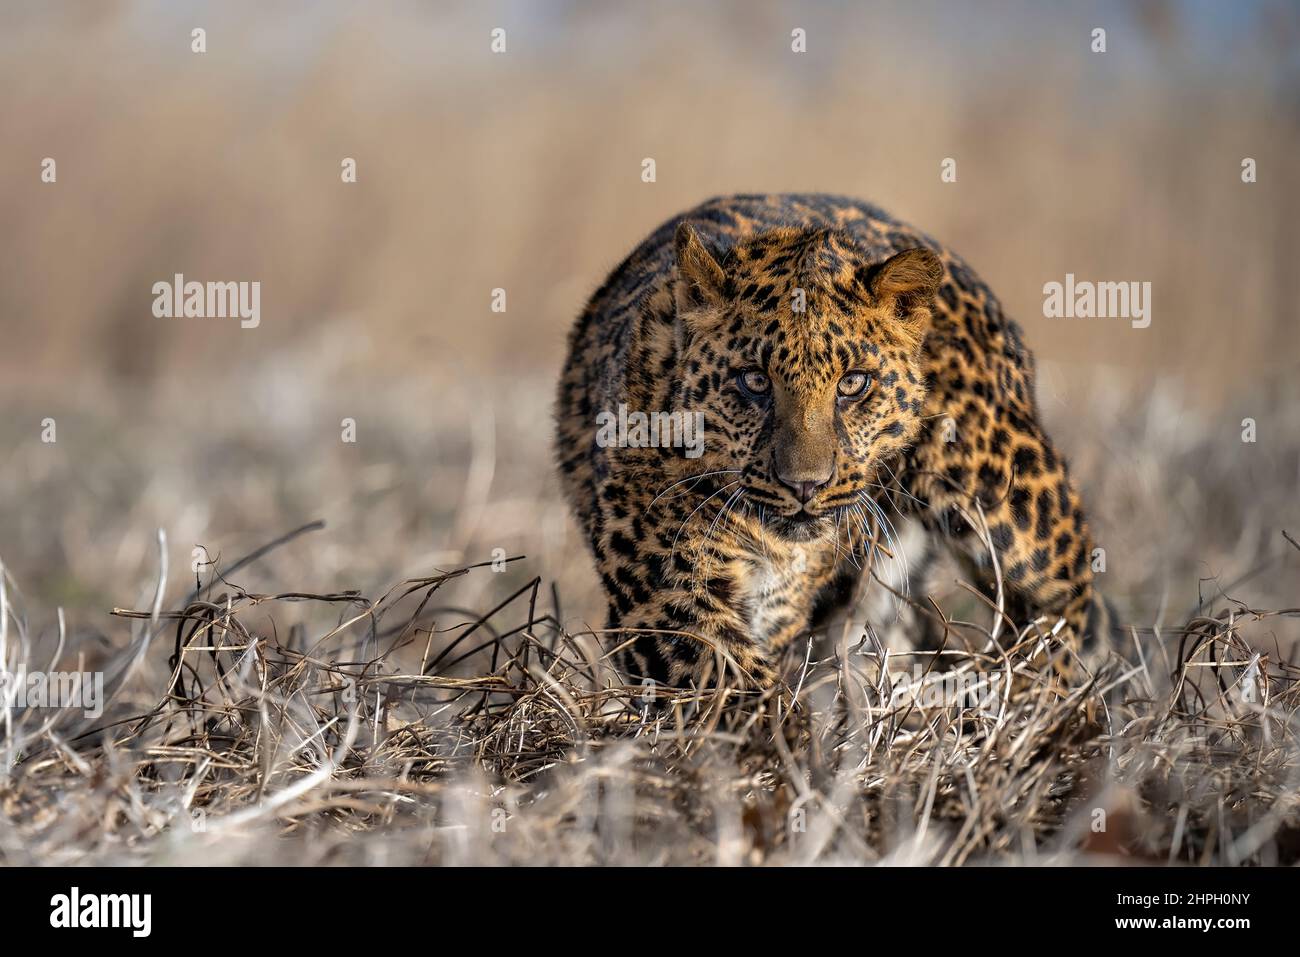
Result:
{"points": [[905, 285], [699, 277]]}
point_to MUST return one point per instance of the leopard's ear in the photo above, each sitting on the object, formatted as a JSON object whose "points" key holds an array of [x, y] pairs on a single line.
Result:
{"points": [[905, 286], [699, 277]]}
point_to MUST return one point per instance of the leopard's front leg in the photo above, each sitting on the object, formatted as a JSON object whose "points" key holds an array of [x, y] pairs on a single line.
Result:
{"points": [[1011, 482], [679, 626], [997, 470], [702, 589]]}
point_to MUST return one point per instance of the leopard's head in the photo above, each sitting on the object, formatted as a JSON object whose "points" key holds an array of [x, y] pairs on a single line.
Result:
{"points": [[805, 358]]}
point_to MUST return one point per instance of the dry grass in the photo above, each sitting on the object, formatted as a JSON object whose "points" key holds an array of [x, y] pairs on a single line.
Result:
{"points": [[398, 730]]}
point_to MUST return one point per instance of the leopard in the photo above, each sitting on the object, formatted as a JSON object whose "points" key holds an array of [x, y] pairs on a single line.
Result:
{"points": [[851, 375]]}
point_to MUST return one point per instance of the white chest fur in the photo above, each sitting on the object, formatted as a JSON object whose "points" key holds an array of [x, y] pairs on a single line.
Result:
{"points": [[777, 585]]}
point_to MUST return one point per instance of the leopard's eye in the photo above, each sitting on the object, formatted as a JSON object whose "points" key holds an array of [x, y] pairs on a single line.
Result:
{"points": [[754, 383], [854, 384]]}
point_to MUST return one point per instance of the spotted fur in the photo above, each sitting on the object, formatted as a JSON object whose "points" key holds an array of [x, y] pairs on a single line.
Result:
{"points": [[764, 313]]}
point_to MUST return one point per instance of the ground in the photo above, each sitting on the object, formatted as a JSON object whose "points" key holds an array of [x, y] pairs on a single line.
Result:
{"points": [[358, 723]]}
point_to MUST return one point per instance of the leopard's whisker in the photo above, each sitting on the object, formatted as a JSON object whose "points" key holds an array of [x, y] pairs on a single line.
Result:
{"points": [[756, 521], [893, 540], [835, 541], [867, 532], [848, 533], [869, 553], [899, 538], [689, 478], [889, 490], [898, 484], [672, 551], [708, 535]]}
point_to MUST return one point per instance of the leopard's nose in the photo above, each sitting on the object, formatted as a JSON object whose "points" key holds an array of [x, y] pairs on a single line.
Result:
{"points": [[804, 488]]}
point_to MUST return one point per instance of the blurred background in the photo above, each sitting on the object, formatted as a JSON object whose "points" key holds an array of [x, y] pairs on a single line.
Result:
{"points": [[522, 171]]}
